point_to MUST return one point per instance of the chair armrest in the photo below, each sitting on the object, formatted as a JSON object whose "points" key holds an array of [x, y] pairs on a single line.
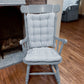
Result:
{"points": [[64, 41], [23, 41], [24, 44]]}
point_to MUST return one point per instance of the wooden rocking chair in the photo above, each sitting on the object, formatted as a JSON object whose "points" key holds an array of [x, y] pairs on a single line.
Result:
{"points": [[40, 35]]}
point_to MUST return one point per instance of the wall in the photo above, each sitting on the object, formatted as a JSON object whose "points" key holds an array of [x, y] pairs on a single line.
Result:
{"points": [[81, 8], [60, 2]]}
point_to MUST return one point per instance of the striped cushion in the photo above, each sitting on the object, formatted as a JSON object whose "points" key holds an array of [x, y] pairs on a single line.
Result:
{"points": [[42, 54], [41, 29]]}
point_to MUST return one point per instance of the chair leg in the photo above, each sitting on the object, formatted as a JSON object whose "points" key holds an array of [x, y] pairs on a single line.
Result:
{"points": [[57, 74], [52, 67], [27, 74]]}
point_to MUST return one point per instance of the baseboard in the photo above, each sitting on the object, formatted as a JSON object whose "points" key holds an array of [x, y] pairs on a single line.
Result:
{"points": [[81, 15]]}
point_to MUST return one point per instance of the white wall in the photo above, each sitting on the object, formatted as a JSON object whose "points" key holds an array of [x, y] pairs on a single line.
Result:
{"points": [[81, 8], [60, 2]]}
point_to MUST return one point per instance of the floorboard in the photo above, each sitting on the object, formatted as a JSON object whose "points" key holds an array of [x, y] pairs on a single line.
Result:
{"points": [[71, 68]]}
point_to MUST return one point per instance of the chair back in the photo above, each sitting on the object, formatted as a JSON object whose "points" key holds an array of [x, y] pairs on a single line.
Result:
{"points": [[40, 24]]}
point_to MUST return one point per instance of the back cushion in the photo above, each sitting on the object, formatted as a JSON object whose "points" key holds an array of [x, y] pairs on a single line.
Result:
{"points": [[40, 29]]}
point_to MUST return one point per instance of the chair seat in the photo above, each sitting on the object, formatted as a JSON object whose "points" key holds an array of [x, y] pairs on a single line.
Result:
{"points": [[42, 55]]}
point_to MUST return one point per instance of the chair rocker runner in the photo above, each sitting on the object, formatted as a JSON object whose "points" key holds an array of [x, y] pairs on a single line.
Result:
{"points": [[40, 28]]}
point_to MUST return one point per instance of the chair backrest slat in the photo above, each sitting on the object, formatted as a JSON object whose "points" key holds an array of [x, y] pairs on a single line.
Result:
{"points": [[40, 8]]}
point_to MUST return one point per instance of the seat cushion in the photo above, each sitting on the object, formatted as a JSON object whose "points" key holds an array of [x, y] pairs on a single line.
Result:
{"points": [[42, 54]]}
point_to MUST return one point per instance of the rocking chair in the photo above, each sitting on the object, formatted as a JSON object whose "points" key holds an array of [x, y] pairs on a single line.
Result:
{"points": [[40, 26]]}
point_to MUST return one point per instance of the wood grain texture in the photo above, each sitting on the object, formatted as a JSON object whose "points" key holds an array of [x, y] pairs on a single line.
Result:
{"points": [[36, 1], [71, 68]]}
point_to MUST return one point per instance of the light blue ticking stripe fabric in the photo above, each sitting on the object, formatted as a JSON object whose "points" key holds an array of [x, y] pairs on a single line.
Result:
{"points": [[41, 29], [42, 54]]}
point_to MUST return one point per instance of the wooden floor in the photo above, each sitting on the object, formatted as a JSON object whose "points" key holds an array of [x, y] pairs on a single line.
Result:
{"points": [[71, 68]]}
